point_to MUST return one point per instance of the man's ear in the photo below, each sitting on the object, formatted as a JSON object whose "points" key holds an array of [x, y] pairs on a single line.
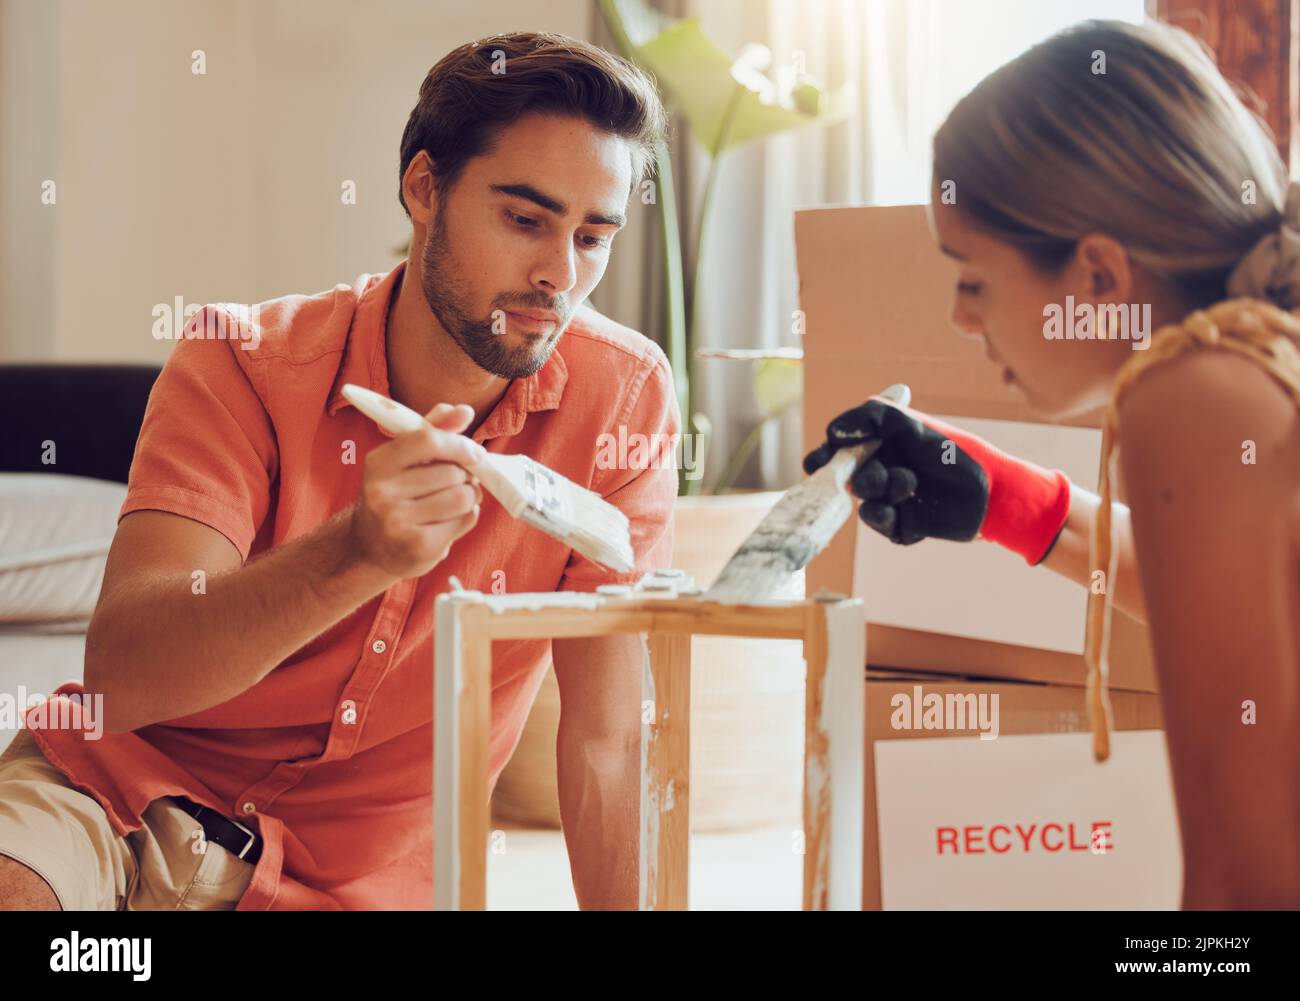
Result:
{"points": [[1107, 271], [418, 189]]}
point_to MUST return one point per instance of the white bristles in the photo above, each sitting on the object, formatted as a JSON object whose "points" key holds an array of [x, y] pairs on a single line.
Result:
{"points": [[559, 507], [528, 490]]}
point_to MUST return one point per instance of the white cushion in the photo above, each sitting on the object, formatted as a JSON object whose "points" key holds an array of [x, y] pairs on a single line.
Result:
{"points": [[55, 532], [34, 662]]}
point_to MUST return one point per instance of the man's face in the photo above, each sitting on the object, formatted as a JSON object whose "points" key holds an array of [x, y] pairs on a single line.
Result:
{"points": [[522, 237]]}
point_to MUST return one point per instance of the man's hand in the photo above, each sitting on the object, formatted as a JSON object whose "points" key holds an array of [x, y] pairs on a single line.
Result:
{"points": [[254, 615], [417, 498]]}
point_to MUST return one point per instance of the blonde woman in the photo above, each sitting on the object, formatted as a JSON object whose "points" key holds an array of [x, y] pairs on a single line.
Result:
{"points": [[1112, 165]]}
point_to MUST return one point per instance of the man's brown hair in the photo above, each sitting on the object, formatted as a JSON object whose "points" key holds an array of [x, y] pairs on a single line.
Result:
{"points": [[478, 88]]}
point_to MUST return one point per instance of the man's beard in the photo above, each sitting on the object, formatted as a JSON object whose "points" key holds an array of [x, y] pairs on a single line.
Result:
{"points": [[449, 300]]}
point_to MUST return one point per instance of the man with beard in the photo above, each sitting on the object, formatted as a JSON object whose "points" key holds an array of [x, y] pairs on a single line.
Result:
{"points": [[269, 737]]}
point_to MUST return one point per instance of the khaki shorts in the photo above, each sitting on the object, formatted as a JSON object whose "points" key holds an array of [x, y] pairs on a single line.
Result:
{"points": [[65, 836]]}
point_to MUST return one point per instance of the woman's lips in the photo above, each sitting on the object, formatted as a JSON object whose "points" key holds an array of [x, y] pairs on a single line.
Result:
{"points": [[530, 324]]}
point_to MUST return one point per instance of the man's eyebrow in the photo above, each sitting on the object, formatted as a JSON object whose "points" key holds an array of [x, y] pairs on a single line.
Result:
{"points": [[531, 194], [951, 253]]}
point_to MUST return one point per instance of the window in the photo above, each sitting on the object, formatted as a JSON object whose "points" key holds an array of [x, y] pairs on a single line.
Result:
{"points": [[924, 55]]}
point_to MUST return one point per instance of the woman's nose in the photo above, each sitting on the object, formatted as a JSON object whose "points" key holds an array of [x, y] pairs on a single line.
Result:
{"points": [[966, 323]]}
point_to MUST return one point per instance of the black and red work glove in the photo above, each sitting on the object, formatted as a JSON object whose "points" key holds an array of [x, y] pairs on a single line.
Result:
{"points": [[929, 479]]}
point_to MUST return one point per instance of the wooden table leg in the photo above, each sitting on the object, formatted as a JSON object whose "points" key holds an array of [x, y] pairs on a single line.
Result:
{"points": [[835, 649], [462, 718], [665, 773]]}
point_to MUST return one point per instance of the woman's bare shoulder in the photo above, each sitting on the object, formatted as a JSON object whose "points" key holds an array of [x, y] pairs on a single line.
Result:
{"points": [[1218, 429]]}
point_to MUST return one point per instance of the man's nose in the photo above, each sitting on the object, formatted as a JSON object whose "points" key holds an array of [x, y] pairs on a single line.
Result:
{"points": [[556, 272]]}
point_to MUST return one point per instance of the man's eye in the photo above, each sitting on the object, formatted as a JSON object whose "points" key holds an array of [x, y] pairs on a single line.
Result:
{"points": [[969, 288], [596, 241], [522, 220]]}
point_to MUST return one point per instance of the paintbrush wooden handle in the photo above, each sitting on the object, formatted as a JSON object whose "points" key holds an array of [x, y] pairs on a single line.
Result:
{"points": [[494, 471], [394, 417]]}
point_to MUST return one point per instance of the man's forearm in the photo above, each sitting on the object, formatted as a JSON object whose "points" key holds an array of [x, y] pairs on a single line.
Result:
{"points": [[158, 651], [600, 803]]}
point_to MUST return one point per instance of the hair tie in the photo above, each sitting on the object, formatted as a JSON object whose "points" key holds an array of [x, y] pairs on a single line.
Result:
{"points": [[1271, 269]]}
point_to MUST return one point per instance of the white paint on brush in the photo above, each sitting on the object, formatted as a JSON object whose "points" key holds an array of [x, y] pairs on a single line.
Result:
{"points": [[800, 526], [529, 491]]}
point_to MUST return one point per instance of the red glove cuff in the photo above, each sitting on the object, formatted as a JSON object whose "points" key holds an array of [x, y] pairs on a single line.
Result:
{"points": [[1028, 508], [1028, 505]]}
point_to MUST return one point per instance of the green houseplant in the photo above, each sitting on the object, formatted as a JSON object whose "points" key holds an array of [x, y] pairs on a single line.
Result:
{"points": [[726, 103]]}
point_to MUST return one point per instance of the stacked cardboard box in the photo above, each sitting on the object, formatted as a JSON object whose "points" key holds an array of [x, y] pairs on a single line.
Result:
{"points": [[965, 620]]}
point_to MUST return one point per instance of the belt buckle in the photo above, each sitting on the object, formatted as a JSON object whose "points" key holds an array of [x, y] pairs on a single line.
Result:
{"points": [[252, 838]]}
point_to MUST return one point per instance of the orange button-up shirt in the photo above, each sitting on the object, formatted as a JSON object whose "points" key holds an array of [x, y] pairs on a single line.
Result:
{"points": [[329, 757]]}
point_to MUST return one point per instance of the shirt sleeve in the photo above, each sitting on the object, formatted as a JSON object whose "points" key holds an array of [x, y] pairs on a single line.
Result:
{"points": [[645, 486], [207, 447]]}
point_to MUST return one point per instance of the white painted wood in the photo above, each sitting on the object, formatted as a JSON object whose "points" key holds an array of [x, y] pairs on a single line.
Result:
{"points": [[841, 721], [843, 709], [650, 806], [448, 680]]}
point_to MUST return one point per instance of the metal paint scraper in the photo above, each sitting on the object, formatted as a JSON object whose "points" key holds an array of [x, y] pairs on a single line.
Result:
{"points": [[800, 526]]}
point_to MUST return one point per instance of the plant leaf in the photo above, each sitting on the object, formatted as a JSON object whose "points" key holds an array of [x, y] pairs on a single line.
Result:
{"points": [[703, 81], [778, 384]]}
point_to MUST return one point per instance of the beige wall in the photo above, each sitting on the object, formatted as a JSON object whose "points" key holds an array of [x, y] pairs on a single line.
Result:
{"points": [[216, 187]]}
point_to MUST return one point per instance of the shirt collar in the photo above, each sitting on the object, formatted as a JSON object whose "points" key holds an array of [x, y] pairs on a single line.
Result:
{"points": [[365, 362]]}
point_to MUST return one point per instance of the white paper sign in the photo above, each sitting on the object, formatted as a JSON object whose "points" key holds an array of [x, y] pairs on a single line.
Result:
{"points": [[978, 589], [1027, 822]]}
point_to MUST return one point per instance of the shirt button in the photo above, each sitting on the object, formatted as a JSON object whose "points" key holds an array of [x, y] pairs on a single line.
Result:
{"points": [[379, 646], [248, 808]]}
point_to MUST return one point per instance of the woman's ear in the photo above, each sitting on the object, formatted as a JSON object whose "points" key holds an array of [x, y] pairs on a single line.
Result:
{"points": [[1107, 272]]}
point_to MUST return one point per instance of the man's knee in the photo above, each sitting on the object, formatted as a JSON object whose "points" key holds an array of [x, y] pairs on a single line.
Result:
{"points": [[24, 889]]}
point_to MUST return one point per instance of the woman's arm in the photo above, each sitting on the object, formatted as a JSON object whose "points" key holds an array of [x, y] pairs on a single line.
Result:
{"points": [[1214, 536], [1070, 556]]}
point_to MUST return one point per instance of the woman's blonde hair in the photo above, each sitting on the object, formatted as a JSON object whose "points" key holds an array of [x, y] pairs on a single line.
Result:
{"points": [[1123, 129], [1131, 131]]}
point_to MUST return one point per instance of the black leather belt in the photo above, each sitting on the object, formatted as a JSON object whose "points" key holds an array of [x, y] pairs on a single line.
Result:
{"points": [[231, 835]]}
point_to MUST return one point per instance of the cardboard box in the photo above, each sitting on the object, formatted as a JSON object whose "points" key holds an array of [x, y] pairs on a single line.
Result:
{"points": [[876, 295], [1010, 828]]}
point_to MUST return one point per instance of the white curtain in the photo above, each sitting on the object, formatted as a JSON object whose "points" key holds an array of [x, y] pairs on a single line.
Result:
{"points": [[907, 62]]}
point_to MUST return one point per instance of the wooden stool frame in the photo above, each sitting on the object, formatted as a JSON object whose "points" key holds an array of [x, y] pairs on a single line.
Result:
{"points": [[833, 644]]}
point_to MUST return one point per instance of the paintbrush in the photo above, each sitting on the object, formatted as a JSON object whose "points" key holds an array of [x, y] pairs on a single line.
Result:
{"points": [[529, 491], [800, 526]]}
